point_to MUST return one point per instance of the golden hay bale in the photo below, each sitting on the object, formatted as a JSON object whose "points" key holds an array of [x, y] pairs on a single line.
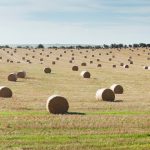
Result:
{"points": [[105, 94], [0, 57], [91, 62], [98, 59], [33, 56], [85, 74], [47, 70], [5, 92], [70, 61], [131, 62], [126, 66], [85, 56], [21, 74], [57, 58], [41, 59], [110, 59], [57, 104], [47, 55], [117, 89], [75, 68], [12, 77], [92, 55], [83, 64]]}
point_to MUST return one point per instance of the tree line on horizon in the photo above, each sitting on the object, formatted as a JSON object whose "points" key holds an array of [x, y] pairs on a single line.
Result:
{"points": [[104, 46]]}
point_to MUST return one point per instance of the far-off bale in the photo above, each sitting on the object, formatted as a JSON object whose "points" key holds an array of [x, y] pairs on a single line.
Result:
{"points": [[47, 70], [21, 74], [121, 64], [99, 65], [85, 74], [57, 105], [105, 94], [75, 68], [5, 92], [83, 64], [114, 66], [12, 77], [126, 66], [117, 89], [145, 67]]}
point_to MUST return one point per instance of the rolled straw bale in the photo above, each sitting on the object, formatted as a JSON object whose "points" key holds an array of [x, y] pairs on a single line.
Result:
{"points": [[85, 74], [75, 68], [47, 70], [117, 89], [105, 94], [5, 92], [57, 104], [21, 74], [12, 77], [83, 64], [126, 66]]}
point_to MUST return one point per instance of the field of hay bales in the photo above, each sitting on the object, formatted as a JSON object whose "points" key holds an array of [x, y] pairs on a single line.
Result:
{"points": [[90, 123]]}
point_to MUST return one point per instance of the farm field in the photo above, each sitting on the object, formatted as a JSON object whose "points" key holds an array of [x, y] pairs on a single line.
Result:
{"points": [[89, 124]]}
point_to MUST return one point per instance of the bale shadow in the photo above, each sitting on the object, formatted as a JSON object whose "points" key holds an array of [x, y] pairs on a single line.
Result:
{"points": [[118, 101], [75, 113]]}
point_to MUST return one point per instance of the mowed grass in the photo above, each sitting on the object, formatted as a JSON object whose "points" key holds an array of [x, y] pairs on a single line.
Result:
{"points": [[89, 124]]}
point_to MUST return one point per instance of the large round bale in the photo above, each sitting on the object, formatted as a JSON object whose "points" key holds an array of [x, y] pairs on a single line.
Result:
{"points": [[85, 74], [105, 94], [47, 70], [57, 104], [75, 68], [121, 64], [21, 74], [12, 77], [117, 89], [114, 66], [5, 92], [99, 65], [53, 62], [145, 67]]}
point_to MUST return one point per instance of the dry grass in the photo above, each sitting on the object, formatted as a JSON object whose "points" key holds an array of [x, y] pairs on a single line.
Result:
{"points": [[90, 124]]}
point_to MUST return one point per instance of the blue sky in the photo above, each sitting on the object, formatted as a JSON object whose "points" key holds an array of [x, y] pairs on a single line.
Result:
{"points": [[74, 21]]}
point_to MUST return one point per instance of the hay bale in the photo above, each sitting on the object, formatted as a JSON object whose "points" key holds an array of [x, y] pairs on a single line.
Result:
{"points": [[110, 59], [85, 56], [5, 92], [114, 66], [75, 68], [57, 104], [12, 77], [91, 62], [99, 65], [83, 64], [121, 64], [85, 74], [145, 67], [117, 89], [53, 63], [126, 66], [98, 59], [21, 74], [47, 70], [105, 94]]}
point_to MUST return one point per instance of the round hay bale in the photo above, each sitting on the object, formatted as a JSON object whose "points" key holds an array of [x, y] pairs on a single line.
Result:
{"points": [[91, 62], [131, 62], [98, 59], [110, 59], [114, 66], [21, 74], [83, 64], [33, 56], [85, 56], [70, 61], [92, 55], [57, 104], [75, 68], [121, 64], [145, 67], [99, 65], [105, 94], [41, 59], [117, 89], [47, 70], [5, 92], [12, 77], [53, 62], [57, 58], [126, 66], [85, 74]]}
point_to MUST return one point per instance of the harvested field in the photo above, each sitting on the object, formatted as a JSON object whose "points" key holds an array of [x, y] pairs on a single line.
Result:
{"points": [[89, 124]]}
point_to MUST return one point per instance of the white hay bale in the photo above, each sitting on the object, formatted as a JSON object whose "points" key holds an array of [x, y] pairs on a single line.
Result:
{"points": [[57, 104], [105, 94], [117, 89], [5, 92]]}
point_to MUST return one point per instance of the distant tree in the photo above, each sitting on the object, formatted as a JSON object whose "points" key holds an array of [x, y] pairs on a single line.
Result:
{"points": [[135, 45], [142, 45], [40, 46], [106, 46], [148, 45]]}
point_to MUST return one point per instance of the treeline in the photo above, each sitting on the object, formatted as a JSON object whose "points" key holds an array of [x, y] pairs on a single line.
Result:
{"points": [[105, 46]]}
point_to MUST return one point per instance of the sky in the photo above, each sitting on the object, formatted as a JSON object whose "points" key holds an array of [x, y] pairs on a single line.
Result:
{"points": [[74, 21]]}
